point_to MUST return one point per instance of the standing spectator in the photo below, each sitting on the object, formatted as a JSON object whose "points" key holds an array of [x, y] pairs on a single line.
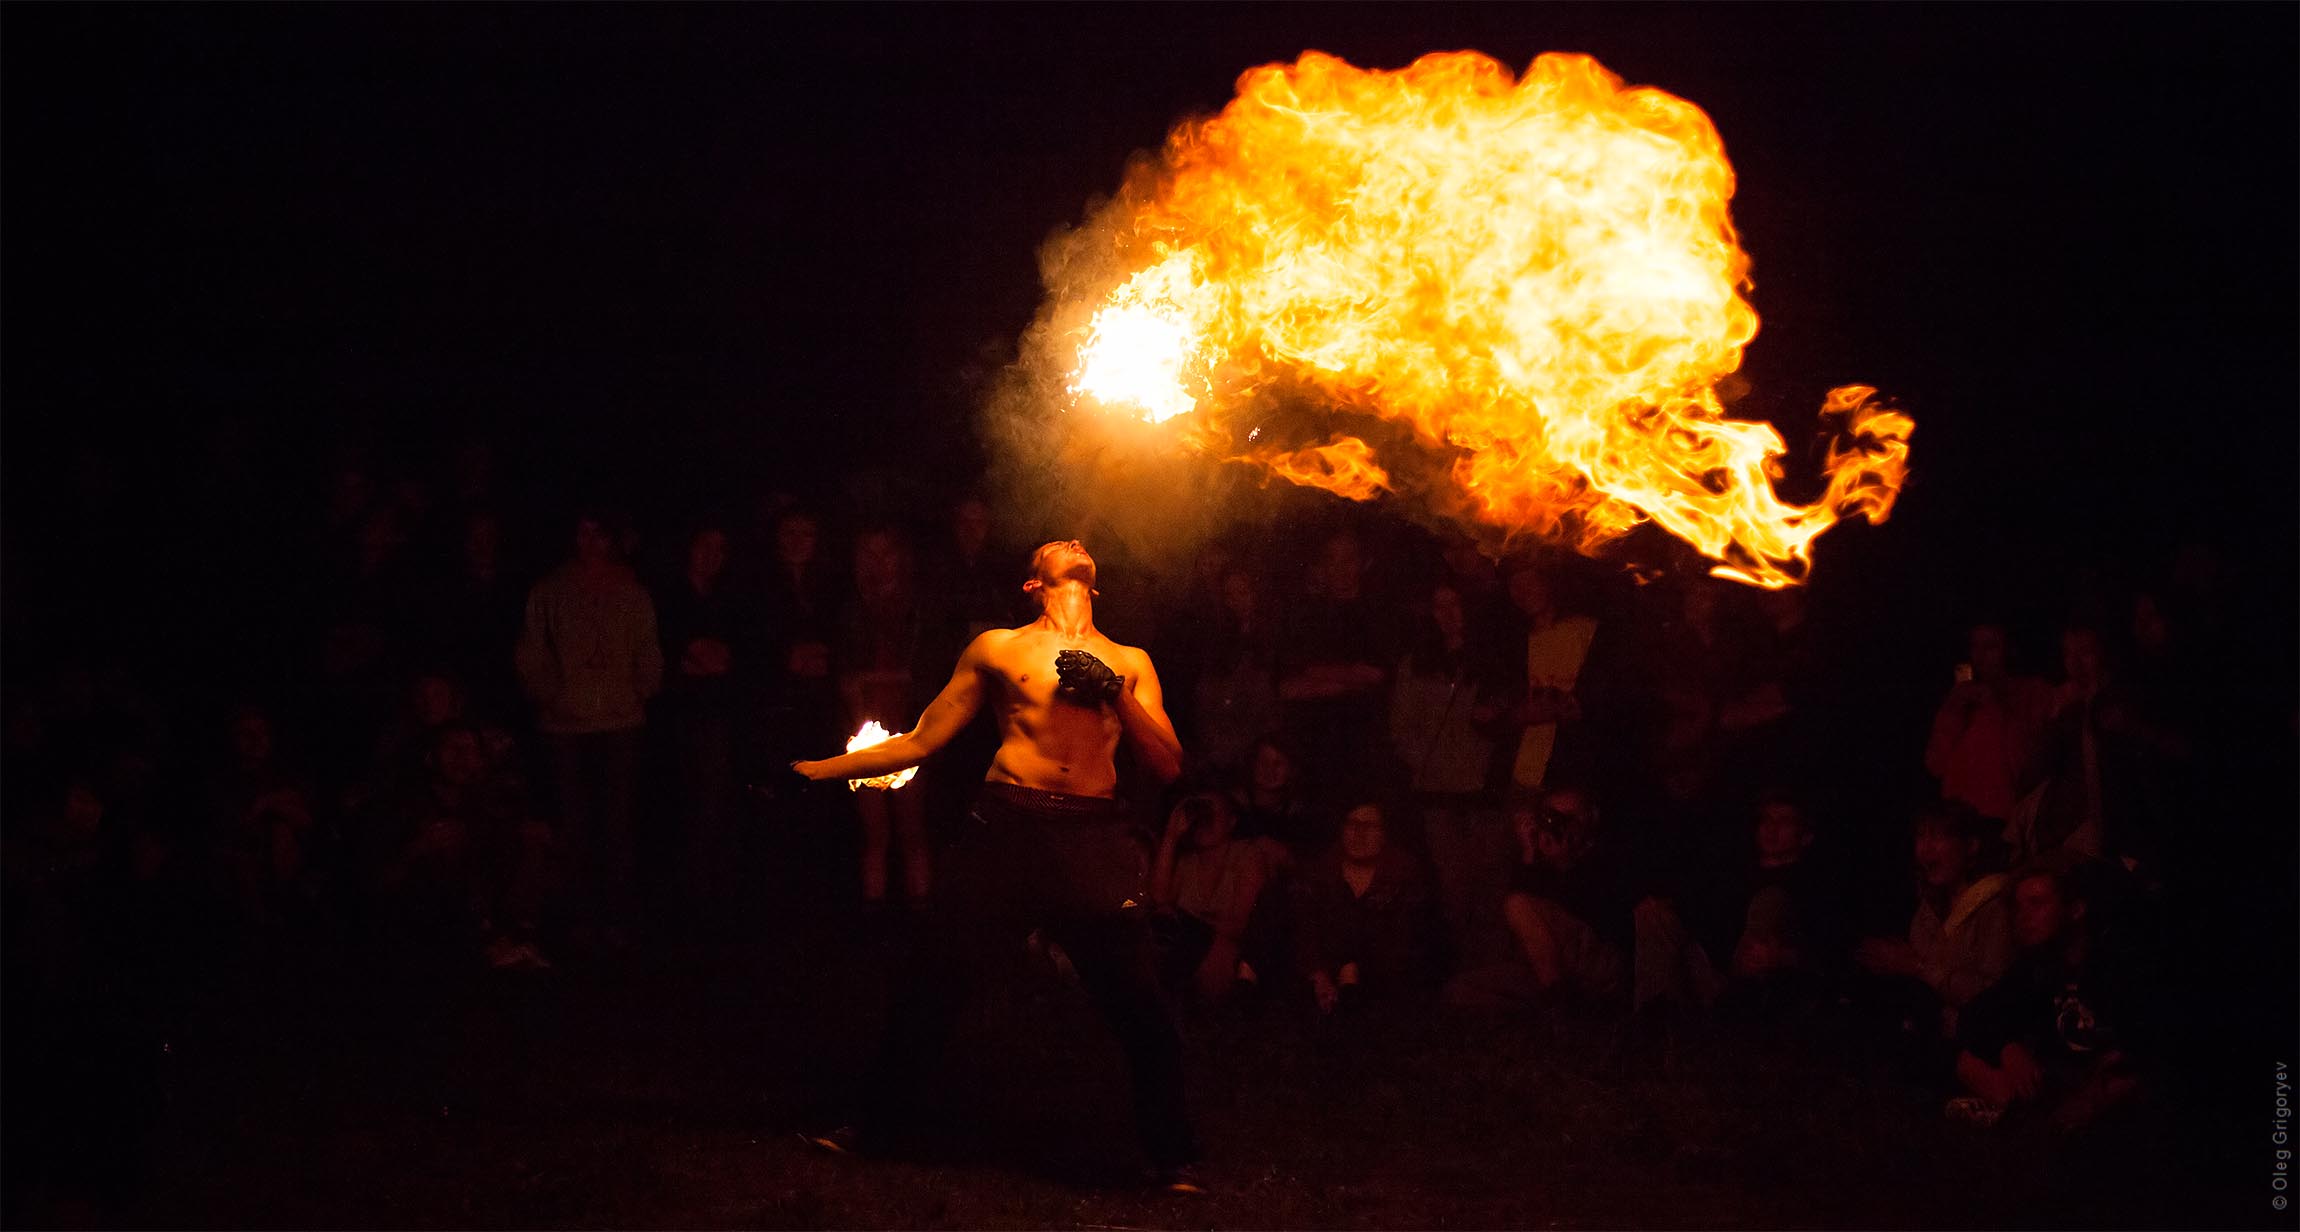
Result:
{"points": [[1441, 710], [1234, 697], [2098, 758], [589, 659], [1987, 727], [1333, 667], [1960, 939], [885, 652], [1440, 707], [474, 611], [972, 588], [797, 614], [1361, 917], [1555, 647], [700, 627]]}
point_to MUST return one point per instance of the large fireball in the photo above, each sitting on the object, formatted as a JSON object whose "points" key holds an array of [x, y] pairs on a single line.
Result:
{"points": [[1530, 284]]}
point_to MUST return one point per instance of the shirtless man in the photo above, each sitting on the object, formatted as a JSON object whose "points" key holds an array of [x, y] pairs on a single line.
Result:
{"points": [[1048, 847]]}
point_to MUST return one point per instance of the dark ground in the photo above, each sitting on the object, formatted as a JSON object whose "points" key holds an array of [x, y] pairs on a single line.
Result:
{"points": [[664, 1093]]}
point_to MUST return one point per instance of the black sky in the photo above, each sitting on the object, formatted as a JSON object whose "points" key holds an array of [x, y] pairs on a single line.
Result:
{"points": [[2063, 236]]}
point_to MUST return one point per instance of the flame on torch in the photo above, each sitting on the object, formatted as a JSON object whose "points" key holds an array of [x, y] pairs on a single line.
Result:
{"points": [[871, 734], [1534, 283]]}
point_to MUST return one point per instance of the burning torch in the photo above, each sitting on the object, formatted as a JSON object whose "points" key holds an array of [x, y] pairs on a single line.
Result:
{"points": [[871, 734]]}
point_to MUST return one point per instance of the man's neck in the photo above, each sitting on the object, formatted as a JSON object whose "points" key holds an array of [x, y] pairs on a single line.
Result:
{"points": [[1068, 610]]}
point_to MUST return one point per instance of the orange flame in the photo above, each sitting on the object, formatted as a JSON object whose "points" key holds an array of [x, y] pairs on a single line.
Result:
{"points": [[1536, 279], [870, 734]]}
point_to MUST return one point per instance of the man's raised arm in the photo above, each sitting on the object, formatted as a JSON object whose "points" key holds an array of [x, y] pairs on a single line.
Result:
{"points": [[946, 716]]}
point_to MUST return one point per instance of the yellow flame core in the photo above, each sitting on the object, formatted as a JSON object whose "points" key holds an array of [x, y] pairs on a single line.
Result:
{"points": [[871, 734], [1539, 274]]}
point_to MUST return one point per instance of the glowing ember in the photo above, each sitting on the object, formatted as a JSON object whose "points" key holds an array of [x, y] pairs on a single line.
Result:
{"points": [[871, 734], [1536, 279]]}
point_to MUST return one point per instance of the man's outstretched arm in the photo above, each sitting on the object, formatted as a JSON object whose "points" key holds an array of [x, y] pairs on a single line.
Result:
{"points": [[1142, 709], [946, 716]]}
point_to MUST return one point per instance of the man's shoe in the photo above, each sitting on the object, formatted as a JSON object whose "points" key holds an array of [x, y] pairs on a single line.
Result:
{"points": [[1188, 1179], [837, 1140]]}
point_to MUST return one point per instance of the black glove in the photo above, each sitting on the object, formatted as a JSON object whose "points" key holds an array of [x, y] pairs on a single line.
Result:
{"points": [[1086, 680], [783, 785]]}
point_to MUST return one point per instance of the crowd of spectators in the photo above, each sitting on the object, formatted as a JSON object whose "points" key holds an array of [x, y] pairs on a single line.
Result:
{"points": [[1419, 778]]}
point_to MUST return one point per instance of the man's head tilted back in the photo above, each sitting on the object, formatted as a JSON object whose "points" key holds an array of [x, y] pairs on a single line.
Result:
{"points": [[1062, 560]]}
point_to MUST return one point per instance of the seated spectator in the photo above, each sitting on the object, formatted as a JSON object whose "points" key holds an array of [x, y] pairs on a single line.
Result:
{"points": [[1204, 886], [458, 863], [1272, 807], [1584, 931], [1960, 939], [2063, 1032], [1360, 922], [1789, 937], [1987, 727], [434, 700], [1571, 907], [259, 827]]}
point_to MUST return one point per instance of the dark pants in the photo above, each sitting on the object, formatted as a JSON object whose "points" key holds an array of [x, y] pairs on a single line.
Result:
{"points": [[1075, 868], [596, 773], [705, 740]]}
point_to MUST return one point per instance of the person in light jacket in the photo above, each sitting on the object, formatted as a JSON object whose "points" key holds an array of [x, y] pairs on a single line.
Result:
{"points": [[589, 660]]}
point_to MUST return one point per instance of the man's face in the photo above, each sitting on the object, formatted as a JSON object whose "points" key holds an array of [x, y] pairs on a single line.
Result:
{"points": [[1986, 647], [878, 565], [482, 540], [1467, 563], [1272, 770], [592, 542], [252, 739], [707, 554], [459, 758], [1363, 835], [970, 526], [437, 701], [2040, 914], [1942, 856], [1781, 833], [1238, 596], [2080, 657], [2150, 630], [795, 540], [1339, 563], [1528, 590], [1065, 561], [1564, 829], [1445, 611]]}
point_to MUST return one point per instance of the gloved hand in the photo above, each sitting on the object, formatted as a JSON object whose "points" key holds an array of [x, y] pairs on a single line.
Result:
{"points": [[784, 785], [1086, 680]]}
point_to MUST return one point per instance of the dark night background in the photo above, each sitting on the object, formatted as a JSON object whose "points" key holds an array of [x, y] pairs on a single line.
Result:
{"points": [[687, 253], [725, 239]]}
